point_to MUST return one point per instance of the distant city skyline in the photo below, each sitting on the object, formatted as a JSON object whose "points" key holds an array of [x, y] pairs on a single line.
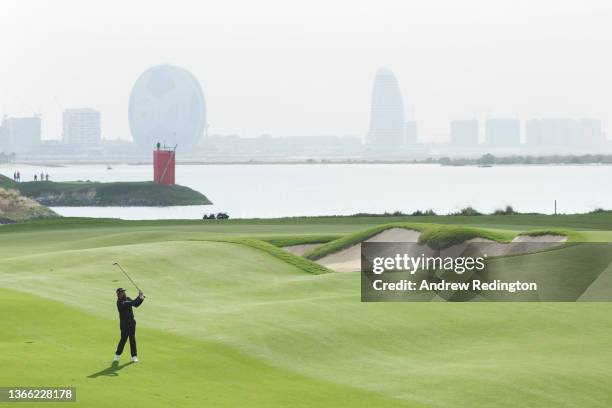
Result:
{"points": [[389, 126], [306, 68], [389, 135]]}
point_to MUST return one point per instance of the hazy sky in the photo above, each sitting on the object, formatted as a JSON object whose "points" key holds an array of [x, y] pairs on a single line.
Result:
{"points": [[302, 68]]}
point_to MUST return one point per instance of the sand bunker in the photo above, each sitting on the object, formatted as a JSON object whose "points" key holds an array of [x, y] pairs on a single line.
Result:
{"points": [[522, 244], [396, 235], [301, 249], [349, 259]]}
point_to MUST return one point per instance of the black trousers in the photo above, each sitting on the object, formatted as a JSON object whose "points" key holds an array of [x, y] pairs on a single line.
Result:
{"points": [[128, 330]]}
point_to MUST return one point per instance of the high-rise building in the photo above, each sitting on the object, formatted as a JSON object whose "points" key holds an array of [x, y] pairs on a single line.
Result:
{"points": [[503, 132], [387, 125], [563, 133], [21, 134], [549, 132], [411, 133], [590, 132], [82, 127], [464, 133]]}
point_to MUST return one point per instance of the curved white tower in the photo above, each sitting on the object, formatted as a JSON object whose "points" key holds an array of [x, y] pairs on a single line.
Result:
{"points": [[167, 105], [387, 124]]}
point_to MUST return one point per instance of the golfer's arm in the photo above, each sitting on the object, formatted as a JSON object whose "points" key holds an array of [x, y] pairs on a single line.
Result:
{"points": [[136, 302]]}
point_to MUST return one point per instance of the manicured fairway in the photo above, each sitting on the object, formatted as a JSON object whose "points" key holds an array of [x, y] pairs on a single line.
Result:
{"points": [[229, 325], [45, 343]]}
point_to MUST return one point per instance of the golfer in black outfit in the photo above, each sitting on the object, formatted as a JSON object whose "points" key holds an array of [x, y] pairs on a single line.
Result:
{"points": [[127, 322]]}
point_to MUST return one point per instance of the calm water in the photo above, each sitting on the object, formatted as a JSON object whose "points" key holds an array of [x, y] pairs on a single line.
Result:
{"points": [[292, 190]]}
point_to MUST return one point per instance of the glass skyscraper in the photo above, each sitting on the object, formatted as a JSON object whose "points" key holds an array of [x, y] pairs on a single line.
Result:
{"points": [[387, 124]]}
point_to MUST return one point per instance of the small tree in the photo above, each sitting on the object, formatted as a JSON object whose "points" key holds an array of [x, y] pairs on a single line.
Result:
{"points": [[486, 159]]}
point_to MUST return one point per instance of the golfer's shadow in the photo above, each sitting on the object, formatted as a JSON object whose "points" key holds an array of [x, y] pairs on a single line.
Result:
{"points": [[110, 371]]}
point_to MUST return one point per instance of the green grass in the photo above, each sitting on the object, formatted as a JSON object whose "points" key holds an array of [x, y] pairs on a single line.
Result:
{"points": [[229, 324], [48, 350], [334, 224], [7, 182], [562, 273], [299, 262]]}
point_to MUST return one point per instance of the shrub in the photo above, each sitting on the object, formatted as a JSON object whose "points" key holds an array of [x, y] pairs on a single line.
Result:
{"points": [[469, 210], [505, 211], [419, 213]]}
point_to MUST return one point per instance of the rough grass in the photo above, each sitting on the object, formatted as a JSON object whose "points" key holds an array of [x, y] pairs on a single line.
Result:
{"points": [[436, 236], [15, 207], [442, 236], [283, 241], [572, 236]]}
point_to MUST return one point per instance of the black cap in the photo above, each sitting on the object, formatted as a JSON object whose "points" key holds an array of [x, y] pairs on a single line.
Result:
{"points": [[119, 290]]}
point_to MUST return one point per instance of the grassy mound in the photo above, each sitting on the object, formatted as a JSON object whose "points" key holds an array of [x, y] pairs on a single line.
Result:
{"points": [[6, 182], [85, 193], [352, 239], [441, 236], [299, 262], [436, 236]]}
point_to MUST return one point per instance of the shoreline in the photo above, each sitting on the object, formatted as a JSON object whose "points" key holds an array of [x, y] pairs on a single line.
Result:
{"points": [[277, 163]]}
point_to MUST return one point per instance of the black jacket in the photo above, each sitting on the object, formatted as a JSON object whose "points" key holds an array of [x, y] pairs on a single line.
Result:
{"points": [[126, 315]]}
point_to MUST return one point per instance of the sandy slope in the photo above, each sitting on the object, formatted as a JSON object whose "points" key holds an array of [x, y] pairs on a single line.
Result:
{"points": [[349, 259], [301, 249]]}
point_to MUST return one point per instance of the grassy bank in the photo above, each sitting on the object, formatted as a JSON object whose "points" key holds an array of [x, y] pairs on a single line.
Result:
{"points": [[299, 262], [86, 193]]}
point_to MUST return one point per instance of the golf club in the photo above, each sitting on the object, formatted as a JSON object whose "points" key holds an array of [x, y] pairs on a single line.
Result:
{"points": [[126, 274]]}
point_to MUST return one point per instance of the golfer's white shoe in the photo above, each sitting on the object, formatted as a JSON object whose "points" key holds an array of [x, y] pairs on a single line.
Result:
{"points": [[135, 359], [116, 358]]}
